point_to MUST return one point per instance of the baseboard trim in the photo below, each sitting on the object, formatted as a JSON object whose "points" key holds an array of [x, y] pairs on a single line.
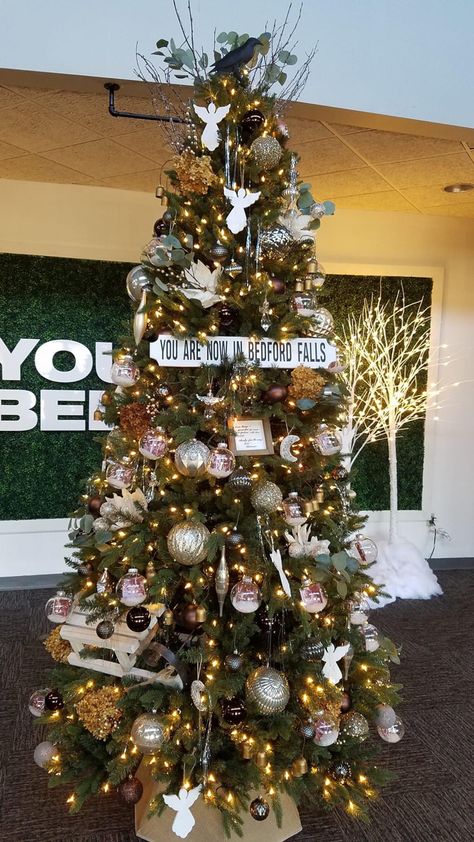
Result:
{"points": [[29, 583], [451, 563]]}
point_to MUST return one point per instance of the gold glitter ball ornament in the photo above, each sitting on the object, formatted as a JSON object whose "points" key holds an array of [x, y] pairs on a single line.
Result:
{"points": [[268, 690], [305, 383], [266, 497], [194, 174], [58, 648], [266, 152], [187, 542], [354, 724], [98, 711]]}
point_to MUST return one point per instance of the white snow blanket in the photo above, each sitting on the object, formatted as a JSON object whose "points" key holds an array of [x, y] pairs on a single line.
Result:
{"points": [[403, 572]]}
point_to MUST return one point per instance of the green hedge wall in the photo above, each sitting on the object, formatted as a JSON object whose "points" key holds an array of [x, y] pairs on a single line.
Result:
{"points": [[57, 298]]}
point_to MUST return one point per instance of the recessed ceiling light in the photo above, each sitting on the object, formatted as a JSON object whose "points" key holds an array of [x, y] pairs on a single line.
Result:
{"points": [[458, 188]]}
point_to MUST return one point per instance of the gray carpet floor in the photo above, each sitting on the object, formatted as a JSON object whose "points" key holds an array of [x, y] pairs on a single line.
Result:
{"points": [[431, 801]]}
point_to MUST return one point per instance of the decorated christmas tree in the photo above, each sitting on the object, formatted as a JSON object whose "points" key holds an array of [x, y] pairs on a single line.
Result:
{"points": [[213, 630]]}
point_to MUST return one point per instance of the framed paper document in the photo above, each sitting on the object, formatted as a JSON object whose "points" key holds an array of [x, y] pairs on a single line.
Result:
{"points": [[250, 436]]}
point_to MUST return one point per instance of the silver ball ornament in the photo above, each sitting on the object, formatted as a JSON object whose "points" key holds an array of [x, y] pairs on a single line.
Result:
{"points": [[240, 480], [191, 458], [148, 733], [275, 241], [394, 733], [268, 690], [139, 280], [322, 322], [266, 152], [234, 662], [44, 753], [187, 542], [312, 650], [219, 252], [266, 497]]}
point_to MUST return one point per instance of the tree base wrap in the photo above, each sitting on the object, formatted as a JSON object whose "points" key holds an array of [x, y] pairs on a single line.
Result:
{"points": [[208, 820], [402, 572]]}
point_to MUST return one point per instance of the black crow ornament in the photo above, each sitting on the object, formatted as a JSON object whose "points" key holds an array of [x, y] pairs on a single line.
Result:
{"points": [[231, 62]]}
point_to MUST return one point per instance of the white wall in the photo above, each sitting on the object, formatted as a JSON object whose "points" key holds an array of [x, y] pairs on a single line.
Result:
{"points": [[404, 58], [88, 222]]}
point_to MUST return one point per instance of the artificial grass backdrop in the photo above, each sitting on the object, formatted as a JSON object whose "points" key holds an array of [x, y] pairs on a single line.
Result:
{"points": [[50, 298]]}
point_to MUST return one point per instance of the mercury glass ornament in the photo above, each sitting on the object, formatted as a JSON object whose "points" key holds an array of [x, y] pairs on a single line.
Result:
{"points": [[131, 588], [307, 729], [266, 497], [268, 690], [44, 753], [221, 461], [322, 322], [219, 252], [371, 637], [259, 809], [246, 596], [302, 301], [139, 280], [148, 733], [240, 480], [385, 716], [153, 444], [312, 650], [221, 581], [317, 210], [326, 731], [120, 474], [108, 510], [58, 607], [363, 549], [191, 458], [299, 767], [36, 701], [393, 734], [293, 509], [187, 542], [340, 770], [234, 538], [327, 440], [105, 629], [313, 596], [234, 662], [266, 152], [358, 610], [105, 583], [124, 372], [275, 241], [354, 724]]}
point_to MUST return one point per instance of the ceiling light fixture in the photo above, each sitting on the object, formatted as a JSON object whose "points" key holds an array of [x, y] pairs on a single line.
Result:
{"points": [[458, 188]]}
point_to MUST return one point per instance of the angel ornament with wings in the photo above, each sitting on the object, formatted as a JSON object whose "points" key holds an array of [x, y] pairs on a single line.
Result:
{"points": [[184, 820], [211, 116], [239, 199]]}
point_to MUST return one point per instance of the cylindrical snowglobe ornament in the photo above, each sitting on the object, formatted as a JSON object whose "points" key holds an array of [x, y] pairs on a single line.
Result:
{"points": [[302, 301], [153, 444], [326, 731], [394, 733], [124, 372], [359, 610], [363, 549], [245, 596], [131, 588], [294, 509], [221, 461], [313, 596], [327, 440], [120, 474], [58, 607], [371, 637]]}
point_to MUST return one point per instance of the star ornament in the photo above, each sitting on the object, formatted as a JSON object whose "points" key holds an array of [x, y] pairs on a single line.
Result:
{"points": [[202, 284]]}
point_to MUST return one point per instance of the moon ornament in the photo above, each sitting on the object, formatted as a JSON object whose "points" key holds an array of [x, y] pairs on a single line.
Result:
{"points": [[285, 448]]}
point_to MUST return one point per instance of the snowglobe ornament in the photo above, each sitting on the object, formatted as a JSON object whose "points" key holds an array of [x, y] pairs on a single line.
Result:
{"points": [[363, 549], [359, 610], [313, 596], [326, 731], [394, 733], [327, 440], [36, 701], [245, 596], [120, 474], [302, 301], [58, 607], [131, 588], [294, 509], [124, 372], [153, 444], [371, 637], [221, 461]]}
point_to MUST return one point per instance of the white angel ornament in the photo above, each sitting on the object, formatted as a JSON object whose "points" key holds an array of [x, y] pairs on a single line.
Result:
{"points": [[184, 820], [211, 116], [331, 656], [239, 199]]}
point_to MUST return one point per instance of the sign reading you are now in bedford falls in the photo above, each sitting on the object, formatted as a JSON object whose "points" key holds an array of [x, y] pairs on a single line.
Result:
{"points": [[266, 353]]}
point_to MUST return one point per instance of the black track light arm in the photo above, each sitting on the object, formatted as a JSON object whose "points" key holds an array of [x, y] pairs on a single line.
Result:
{"points": [[111, 87]]}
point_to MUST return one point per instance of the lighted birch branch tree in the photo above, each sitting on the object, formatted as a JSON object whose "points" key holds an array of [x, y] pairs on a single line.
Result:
{"points": [[386, 350]]}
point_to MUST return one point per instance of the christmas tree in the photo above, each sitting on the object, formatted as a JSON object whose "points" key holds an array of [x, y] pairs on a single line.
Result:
{"points": [[213, 627]]}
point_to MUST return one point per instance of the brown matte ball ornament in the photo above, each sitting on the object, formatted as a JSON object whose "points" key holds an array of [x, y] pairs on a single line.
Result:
{"points": [[278, 285], [346, 703], [131, 790], [191, 616], [138, 618], [53, 700], [275, 393], [187, 542], [94, 504]]}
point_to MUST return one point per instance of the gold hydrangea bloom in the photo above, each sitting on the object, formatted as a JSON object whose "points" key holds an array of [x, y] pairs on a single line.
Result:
{"points": [[98, 711], [305, 383], [58, 648], [194, 174]]}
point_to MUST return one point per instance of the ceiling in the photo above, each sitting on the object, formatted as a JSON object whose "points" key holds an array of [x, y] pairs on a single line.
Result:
{"points": [[68, 137]]}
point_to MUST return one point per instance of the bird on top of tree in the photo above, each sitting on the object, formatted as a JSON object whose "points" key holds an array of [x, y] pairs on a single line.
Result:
{"points": [[235, 58]]}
